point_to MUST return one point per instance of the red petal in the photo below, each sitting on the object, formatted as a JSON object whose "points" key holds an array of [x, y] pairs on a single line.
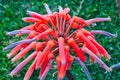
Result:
{"points": [[88, 43], [100, 48], [78, 51]]}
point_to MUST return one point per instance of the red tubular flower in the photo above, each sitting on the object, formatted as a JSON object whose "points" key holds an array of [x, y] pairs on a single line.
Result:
{"points": [[51, 40]]}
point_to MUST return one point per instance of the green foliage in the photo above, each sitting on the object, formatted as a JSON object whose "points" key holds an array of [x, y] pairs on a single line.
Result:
{"points": [[11, 12]]}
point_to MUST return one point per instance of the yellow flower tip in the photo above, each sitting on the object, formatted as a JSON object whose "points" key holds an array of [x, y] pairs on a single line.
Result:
{"points": [[25, 79], [108, 58], [109, 18], [11, 74], [109, 70], [45, 4], [8, 56], [14, 60]]}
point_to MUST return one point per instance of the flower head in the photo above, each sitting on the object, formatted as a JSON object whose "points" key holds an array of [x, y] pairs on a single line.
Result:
{"points": [[52, 41]]}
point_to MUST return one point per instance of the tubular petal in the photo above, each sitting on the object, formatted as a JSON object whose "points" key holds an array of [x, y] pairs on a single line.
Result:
{"points": [[60, 9], [24, 51], [69, 27], [29, 27], [91, 21], [84, 68], [30, 71], [88, 43], [66, 10], [50, 56], [104, 33], [14, 51], [69, 58], [92, 59], [86, 33], [61, 50], [58, 66], [37, 15], [46, 71], [31, 19], [39, 46], [41, 35], [18, 32], [79, 20], [102, 64], [62, 71], [31, 68], [47, 8], [78, 51], [76, 25], [39, 56], [17, 43], [115, 66], [100, 48], [32, 35], [23, 63], [44, 54]]}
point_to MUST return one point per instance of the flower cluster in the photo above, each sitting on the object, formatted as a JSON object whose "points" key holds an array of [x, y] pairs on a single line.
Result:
{"points": [[52, 40]]}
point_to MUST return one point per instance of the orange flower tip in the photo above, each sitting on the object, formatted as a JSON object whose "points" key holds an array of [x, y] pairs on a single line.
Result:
{"points": [[74, 17], [61, 76], [78, 34], [57, 58], [70, 41], [51, 43], [61, 38], [50, 56], [50, 30], [67, 47]]}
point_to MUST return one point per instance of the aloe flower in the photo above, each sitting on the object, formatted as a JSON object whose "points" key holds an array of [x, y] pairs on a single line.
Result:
{"points": [[51, 40]]}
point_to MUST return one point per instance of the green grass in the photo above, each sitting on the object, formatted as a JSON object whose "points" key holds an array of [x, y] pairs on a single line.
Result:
{"points": [[11, 12]]}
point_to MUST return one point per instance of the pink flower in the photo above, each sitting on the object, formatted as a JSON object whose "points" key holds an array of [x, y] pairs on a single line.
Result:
{"points": [[50, 38]]}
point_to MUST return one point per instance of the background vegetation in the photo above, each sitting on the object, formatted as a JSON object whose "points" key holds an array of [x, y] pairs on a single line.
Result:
{"points": [[11, 12]]}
